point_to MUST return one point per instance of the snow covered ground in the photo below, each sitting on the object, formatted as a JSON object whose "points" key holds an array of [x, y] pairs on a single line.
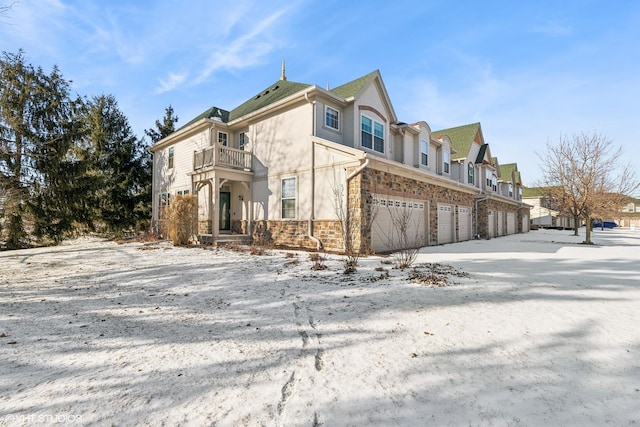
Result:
{"points": [[539, 331]]}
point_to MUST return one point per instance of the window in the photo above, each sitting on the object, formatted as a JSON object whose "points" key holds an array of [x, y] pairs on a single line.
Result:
{"points": [[170, 157], [182, 192], [332, 118], [164, 200], [470, 173], [494, 183], [242, 140], [446, 156], [510, 190], [488, 178], [372, 134], [288, 198], [424, 152], [223, 139]]}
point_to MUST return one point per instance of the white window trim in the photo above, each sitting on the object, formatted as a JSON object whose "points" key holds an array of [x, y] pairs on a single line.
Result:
{"points": [[171, 158], [373, 132], [446, 162], [326, 124], [426, 153], [226, 139], [294, 198]]}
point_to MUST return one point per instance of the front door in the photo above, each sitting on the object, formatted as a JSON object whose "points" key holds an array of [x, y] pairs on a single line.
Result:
{"points": [[225, 211]]}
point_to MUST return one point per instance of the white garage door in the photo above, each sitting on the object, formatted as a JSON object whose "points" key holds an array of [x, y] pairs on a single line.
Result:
{"points": [[445, 224], [492, 224], [525, 223], [511, 223], [390, 215], [464, 223], [500, 223]]}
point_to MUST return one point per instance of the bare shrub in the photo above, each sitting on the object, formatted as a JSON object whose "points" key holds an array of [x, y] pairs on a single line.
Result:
{"points": [[318, 261], [180, 225], [256, 250], [401, 237]]}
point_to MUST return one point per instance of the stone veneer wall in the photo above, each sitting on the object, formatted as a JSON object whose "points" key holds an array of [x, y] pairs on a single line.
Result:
{"points": [[380, 182], [204, 226], [295, 234], [496, 205]]}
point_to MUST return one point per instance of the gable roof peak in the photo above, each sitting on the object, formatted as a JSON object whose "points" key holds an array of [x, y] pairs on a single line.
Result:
{"points": [[352, 88]]}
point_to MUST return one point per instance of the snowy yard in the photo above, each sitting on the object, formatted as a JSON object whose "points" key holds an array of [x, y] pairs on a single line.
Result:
{"points": [[540, 331]]}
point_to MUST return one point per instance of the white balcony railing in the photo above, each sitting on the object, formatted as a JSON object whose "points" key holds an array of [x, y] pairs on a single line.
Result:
{"points": [[220, 155]]}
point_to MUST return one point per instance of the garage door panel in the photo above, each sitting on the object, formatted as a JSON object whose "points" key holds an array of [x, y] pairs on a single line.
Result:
{"points": [[391, 215], [511, 223], [464, 223], [445, 224]]}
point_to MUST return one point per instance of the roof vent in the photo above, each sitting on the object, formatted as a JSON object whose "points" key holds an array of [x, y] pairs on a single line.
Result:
{"points": [[275, 87], [266, 92], [257, 96]]}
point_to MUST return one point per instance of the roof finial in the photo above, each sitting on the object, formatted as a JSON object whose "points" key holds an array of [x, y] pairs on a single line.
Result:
{"points": [[282, 75]]}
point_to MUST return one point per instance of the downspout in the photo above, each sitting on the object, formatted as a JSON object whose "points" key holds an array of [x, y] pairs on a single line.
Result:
{"points": [[313, 175]]}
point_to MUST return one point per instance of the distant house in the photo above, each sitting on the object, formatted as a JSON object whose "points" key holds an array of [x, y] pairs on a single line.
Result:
{"points": [[282, 166], [546, 211]]}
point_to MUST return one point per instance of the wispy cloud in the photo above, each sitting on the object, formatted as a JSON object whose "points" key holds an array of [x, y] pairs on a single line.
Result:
{"points": [[172, 81], [229, 53], [245, 51]]}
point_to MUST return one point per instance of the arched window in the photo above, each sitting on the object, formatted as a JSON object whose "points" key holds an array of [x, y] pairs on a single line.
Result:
{"points": [[470, 173]]}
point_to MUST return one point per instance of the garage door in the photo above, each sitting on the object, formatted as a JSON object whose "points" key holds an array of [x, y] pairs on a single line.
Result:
{"points": [[511, 223], [525, 223], [445, 224], [500, 223], [390, 215], [464, 223], [492, 224]]}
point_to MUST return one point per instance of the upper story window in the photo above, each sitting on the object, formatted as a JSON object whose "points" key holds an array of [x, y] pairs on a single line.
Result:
{"points": [[489, 177], [424, 152], [470, 171], [494, 183], [242, 140], [446, 161], [170, 163], [511, 190], [288, 198], [332, 118], [223, 138], [372, 134]]}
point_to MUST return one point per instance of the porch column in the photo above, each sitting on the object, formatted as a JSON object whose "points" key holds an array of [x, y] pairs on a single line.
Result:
{"points": [[215, 199], [247, 204]]}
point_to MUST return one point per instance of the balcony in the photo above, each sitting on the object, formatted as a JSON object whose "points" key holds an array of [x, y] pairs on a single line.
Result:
{"points": [[220, 155]]}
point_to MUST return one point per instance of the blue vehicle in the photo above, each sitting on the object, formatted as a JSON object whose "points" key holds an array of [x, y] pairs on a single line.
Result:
{"points": [[605, 224]]}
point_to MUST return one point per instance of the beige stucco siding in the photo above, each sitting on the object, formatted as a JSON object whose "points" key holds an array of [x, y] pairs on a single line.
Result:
{"points": [[177, 178]]}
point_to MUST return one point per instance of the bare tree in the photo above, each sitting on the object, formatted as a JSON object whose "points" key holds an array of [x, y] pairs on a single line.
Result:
{"points": [[349, 226], [585, 173], [401, 236], [6, 7]]}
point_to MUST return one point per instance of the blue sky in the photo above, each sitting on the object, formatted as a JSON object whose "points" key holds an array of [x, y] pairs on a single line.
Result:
{"points": [[528, 71]]}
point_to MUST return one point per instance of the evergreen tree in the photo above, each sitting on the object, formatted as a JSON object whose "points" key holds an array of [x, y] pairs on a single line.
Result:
{"points": [[164, 128], [118, 165], [38, 130]]}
